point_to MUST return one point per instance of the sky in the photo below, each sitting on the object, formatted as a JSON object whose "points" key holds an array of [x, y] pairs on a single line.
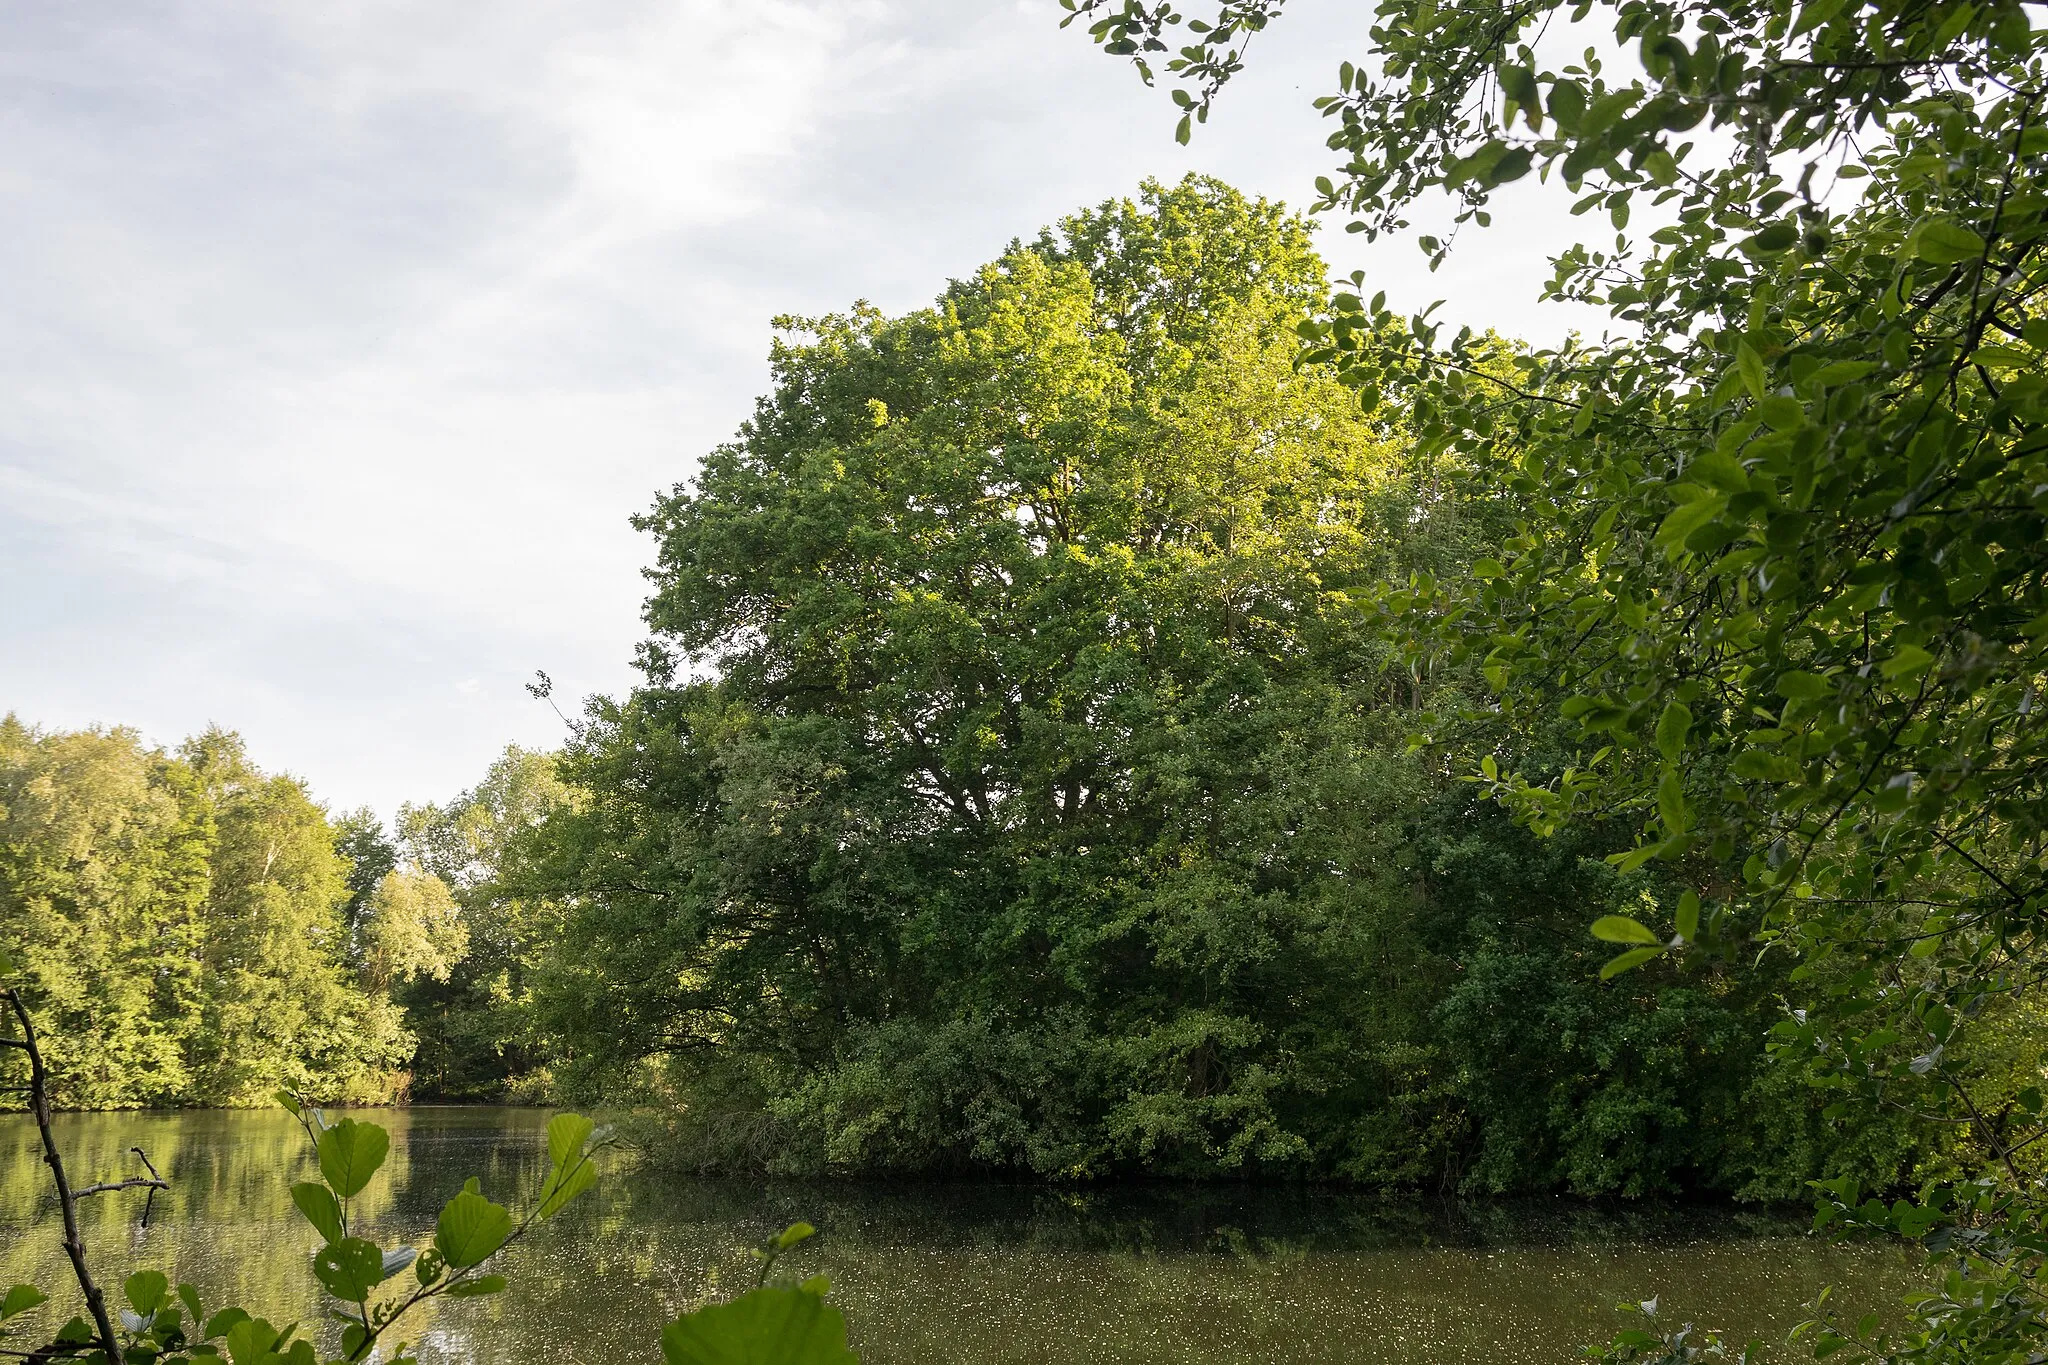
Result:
{"points": [[341, 341]]}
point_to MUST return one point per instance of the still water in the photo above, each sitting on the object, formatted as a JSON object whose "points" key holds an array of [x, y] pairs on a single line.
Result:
{"points": [[932, 1273]]}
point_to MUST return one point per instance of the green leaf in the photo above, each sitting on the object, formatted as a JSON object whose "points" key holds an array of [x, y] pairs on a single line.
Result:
{"points": [[1781, 413], [349, 1269], [770, 1326], [1634, 858], [316, 1202], [146, 1290], [1629, 961], [481, 1285], [560, 1189], [1689, 916], [1477, 166], [1567, 103], [251, 1339], [1720, 471], [1911, 659], [1511, 167], [794, 1233], [1672, 727], [1518, 83], [1751, 366], [1672, 809], [1688, 517], [1622, 929], [1605, 111], [189, 1296], [19, 1300], [224, 1321], [2003, 358], [470, 1228], [1798, 686], [566, 1135], [1944, 243], [350, 1154], [1841, 372], [1775, 238]]}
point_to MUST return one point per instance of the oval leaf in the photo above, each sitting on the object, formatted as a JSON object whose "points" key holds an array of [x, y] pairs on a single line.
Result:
{"points": [[350, 1154], [349, 1269], [19, 1300], [316, 1202], [146, 1290], [772, 1326], [1671, 730], [560, 1188], [482, 1284], [470, 1228], [1945, 243], [566, 1135], [1628, 961], [1622, 929]]}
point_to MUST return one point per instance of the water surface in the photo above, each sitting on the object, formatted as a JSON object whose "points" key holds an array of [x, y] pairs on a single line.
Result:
{"points": [[936, 1273]]}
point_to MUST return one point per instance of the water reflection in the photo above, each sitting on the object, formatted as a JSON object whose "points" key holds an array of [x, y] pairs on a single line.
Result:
{"points": [[979, 1274]]}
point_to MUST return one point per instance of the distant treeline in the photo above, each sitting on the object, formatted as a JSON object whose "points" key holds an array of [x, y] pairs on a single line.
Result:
{"points": [[1019, 784], [200, 932]]}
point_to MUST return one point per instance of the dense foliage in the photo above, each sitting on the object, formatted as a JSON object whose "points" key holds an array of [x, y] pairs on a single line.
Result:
{"points": [[223, 935], [479, 1035], [1781, 561], [183, 918], [1021, 784]]}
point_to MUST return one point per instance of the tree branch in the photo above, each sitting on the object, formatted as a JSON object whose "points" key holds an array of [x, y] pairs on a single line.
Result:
{"points": [[67, 1201]]}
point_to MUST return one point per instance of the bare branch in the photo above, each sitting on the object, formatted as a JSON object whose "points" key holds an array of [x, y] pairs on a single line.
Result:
{"points": [[67, 1201]]}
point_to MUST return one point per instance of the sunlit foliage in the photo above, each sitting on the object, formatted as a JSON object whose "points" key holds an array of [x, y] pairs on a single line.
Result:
{"points": [[1781, 566]]}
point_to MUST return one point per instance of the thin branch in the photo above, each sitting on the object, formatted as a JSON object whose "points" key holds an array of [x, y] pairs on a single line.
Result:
{"points": [[133, 1183], [74, 1241]]}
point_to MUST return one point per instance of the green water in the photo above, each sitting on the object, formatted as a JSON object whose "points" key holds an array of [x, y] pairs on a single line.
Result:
{"points": [[931, 1273]]}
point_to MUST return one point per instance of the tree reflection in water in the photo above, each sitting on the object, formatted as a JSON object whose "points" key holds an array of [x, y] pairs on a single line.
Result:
{"points": [[956, 1273]]}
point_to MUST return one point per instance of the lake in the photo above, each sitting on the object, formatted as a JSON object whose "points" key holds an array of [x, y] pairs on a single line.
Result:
{"points": [[931, 1273]]}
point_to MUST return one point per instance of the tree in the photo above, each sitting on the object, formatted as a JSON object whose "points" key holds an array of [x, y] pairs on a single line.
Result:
{"points": [[105, 870], [479, 1036], [360, 837], [1015, 784], [279, 1009], [183, 912], [1005, 599], [1781, 559], [412, 929]]}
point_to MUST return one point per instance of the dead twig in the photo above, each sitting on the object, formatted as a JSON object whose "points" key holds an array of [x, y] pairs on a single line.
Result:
{"points": [[67, 1199]]}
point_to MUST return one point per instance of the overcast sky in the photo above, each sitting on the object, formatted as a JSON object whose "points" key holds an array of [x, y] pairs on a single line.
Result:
{"points": [[341, 340]]}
